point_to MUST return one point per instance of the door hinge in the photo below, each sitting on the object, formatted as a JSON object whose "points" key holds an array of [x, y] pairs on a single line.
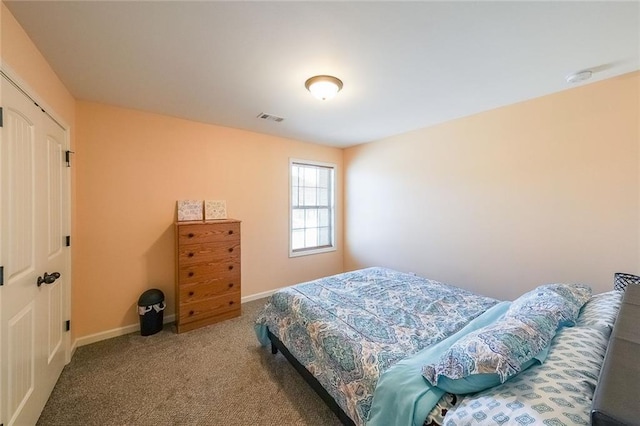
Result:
{"points": [[67, 240], [1, 279], [1, 116], [67, 157], [67, 327]]}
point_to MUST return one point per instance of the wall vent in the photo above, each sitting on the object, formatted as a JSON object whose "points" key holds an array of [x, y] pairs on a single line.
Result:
{"points": [[270, 117]]}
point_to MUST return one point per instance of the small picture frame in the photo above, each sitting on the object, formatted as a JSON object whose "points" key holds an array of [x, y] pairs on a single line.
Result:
{"points": [[189, 210], [215, 209]]}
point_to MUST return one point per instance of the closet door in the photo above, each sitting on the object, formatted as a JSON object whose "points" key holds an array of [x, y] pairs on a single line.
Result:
{"points": [[34, 257]]}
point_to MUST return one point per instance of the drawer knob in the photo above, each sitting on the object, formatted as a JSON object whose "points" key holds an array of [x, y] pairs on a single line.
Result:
{"points": [[191, 293], [231, 303], [191, 313], [190, 274], [230, 285], [230, 267], [230, 249], [190, 255], [190, 235], [230, 231]]}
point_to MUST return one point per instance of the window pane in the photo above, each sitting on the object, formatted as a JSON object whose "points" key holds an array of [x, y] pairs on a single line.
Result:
{"points": [[297, 219], [310, 176], [311, 219], [323, 217], [310, 197], [323, 178], [297, 239], [295, 196], [311, 237], [323, 197], [324, 237], [301, 195]]}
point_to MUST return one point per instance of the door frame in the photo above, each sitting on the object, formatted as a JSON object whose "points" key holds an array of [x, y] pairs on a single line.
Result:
{"points": [[7, 72]]}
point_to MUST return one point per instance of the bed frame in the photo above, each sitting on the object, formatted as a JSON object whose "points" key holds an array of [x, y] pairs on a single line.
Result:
{"points": [[277, 345]]}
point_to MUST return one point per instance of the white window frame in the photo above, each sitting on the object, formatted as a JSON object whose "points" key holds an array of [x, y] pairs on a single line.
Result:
{"points": [[332, 214]]}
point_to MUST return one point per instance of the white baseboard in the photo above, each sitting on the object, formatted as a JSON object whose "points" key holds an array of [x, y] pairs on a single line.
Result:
{"points": [[104, 335], [258, 296]]}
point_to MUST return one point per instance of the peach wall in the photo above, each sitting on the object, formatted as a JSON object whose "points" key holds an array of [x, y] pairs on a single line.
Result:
{"points": [[541, 191], [133, 166], [24, 58]]}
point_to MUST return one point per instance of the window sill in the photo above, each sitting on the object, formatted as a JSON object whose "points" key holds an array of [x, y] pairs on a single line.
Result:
{"points": [[311, 251]]}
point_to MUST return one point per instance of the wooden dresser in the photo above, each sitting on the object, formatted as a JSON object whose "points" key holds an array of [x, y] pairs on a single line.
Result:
{"points": [[207, 272]]}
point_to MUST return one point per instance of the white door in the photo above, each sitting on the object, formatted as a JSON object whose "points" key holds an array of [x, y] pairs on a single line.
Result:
{"points": [[33, 226]]}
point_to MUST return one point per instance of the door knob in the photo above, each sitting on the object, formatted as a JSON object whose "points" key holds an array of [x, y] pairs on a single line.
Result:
{"points": [[48, 278]]}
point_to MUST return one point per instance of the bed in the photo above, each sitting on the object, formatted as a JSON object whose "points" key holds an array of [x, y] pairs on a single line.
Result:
{"points": [[383, 347]]}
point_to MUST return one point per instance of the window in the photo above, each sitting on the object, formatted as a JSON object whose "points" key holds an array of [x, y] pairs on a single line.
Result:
{"points": [[311, 214]]}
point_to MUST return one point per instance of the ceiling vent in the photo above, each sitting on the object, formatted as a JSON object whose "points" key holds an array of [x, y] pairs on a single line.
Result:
{"points": [[270, 117]]}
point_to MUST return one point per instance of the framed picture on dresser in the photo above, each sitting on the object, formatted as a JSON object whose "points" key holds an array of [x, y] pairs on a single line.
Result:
{"points": [[215, 209], [189, 210]]}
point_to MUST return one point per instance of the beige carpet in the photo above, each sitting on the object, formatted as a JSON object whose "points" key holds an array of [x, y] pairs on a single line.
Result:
{"points": [[217, 375]]}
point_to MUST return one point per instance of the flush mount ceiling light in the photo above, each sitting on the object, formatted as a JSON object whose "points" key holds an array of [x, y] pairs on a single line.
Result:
{"points": [[577, 77], [323, 87]]}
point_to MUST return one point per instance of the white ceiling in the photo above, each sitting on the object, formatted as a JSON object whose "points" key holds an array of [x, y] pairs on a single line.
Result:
{"points": [[405, 65]]}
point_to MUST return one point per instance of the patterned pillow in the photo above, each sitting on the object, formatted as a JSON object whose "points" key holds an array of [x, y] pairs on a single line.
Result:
{"points": [[622, 280], [559, 392], [488, 356], [562, 301], [601, 311], [492, 354]]}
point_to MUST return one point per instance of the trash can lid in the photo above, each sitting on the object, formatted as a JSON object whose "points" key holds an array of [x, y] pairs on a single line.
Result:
{"points": [[151, 297]]}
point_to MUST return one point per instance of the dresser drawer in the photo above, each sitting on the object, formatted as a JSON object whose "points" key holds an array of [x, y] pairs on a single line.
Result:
{"points": [[205, 252], [189, 274], [215, 287], [208, 232], [207, 308]]}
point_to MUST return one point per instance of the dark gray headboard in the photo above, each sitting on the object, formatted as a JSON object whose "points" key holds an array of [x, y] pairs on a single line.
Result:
{"points": [[617, 396]]}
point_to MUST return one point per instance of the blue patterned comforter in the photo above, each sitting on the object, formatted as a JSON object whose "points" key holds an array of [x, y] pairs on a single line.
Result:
{"points": [[348, 329]]}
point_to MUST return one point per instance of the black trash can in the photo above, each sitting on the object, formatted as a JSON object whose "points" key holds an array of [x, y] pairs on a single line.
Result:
{"points": [[151, 310]]}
